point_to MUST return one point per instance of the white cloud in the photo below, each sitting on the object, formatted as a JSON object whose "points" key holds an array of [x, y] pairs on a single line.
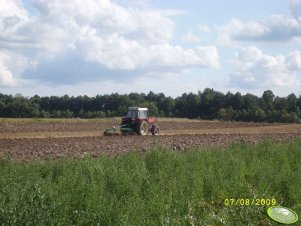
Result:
{"points": [[6, 76], [210, 54], [11, 13], [254, 69], [276, 28], [190, 37], [170, 83], [11, 66], [295, 8], [117, 52], [293, 60], [204, 29], [98, 31]]}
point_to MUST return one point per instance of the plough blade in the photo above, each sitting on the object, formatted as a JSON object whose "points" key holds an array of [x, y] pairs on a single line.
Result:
{"points": [[117, 130]]}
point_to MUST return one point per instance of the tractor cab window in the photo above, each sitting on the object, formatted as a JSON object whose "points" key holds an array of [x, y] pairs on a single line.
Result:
{"points": [[132, 114], [143, 114]]}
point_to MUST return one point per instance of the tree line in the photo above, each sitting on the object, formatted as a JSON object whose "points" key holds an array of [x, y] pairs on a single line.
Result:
{"points": [[209, 104]]}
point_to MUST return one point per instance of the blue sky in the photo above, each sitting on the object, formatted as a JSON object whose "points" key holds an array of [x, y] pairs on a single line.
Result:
{"points": [[104, 46]]}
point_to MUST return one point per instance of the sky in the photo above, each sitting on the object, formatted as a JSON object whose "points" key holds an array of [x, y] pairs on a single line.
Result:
{"points": [[76, 47]]}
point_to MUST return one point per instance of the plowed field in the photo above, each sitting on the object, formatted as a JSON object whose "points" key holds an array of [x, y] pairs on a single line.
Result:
{"points": [[38, 140]]}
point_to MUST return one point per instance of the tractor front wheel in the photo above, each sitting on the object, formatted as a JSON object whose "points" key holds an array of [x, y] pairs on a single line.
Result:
{"points": [[155, 130], [142, 128]]}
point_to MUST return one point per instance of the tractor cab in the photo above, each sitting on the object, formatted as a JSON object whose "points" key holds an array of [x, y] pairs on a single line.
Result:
{"points": [[137, 113]]}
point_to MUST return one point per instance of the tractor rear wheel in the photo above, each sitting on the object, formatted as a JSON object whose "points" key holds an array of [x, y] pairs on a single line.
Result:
{"points": [[142, 128], [155, 131]]}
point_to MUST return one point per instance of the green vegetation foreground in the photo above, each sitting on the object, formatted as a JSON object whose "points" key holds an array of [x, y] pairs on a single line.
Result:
{"points": [[162, 187]]}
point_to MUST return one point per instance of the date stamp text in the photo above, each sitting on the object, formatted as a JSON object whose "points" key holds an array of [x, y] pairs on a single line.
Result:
{"points": [[250, 202]]}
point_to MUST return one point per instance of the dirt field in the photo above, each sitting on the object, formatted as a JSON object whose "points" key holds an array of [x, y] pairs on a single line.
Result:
{"points": [[71, 138]]}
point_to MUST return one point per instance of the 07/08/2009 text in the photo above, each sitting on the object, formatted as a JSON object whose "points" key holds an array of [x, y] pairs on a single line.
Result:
{"points": [[249, 202]]}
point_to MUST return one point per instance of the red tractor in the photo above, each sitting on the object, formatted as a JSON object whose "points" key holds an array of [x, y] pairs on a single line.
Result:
{"points": [[138, 121]]}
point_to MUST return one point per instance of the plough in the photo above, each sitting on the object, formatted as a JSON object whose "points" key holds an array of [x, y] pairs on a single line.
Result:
{"points": [[116, 130]]}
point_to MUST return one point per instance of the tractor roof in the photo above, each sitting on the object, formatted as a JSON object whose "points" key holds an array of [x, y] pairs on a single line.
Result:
{"points": [[137, 109]]}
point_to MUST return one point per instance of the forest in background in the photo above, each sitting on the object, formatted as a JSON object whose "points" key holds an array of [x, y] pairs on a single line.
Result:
{"points": [[209, 104]]}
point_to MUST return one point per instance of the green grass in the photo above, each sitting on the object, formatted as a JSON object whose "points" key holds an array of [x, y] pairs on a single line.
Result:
{"points": [[161, 187]]}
